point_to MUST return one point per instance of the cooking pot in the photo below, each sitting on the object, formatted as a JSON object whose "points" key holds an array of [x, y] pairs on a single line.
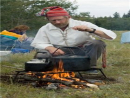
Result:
{"points": [[71, 62]]}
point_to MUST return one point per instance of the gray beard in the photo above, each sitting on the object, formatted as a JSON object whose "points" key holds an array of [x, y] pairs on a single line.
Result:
{"points": [[62, 26]]}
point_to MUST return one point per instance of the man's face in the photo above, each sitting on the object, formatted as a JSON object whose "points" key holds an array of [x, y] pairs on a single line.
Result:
{"points": [[59, 21]]}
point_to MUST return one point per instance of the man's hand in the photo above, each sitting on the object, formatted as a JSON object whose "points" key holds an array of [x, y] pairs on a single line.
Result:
{"points": [[82, 28], [52, 49]]}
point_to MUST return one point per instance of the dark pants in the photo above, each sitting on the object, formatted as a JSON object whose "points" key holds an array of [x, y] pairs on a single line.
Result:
{"points": [[92, 49]]}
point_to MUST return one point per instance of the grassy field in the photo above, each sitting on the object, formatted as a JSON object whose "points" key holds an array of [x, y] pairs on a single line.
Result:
{"points": [[118, 61]]}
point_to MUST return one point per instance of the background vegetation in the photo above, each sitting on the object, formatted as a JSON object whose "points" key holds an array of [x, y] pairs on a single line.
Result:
{"points": [[16, 12]]}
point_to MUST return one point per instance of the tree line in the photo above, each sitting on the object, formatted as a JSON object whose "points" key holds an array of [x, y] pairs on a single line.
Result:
{"points": [[113, 23], [17, 12]]}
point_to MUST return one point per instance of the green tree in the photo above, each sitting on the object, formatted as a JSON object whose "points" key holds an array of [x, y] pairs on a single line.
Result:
{"points": [[16, 12], [124, 16], [84, 14], [116, 15], [127, 15]]}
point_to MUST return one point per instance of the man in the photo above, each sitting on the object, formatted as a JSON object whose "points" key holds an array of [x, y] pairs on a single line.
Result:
{"points": [[65, 31]]}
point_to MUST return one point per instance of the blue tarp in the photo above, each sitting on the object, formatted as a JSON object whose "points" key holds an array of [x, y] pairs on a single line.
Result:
{"points": [[19, 50], [8, 43], [125, 38]]}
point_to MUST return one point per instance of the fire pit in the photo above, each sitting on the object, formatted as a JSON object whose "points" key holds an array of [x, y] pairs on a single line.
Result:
{"points": [[57, 76], [59, 68]]}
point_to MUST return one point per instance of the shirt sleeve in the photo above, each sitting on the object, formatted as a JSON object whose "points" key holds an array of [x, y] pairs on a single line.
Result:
{"points": [[41, 40], [107, 32]]}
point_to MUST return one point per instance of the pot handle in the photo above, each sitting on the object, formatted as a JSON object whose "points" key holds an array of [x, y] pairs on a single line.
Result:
{"points": [[67, 47]]}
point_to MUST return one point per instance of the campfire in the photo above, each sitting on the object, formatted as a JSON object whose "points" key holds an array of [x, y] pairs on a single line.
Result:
{"points": [[58, 78], [59, 72]]}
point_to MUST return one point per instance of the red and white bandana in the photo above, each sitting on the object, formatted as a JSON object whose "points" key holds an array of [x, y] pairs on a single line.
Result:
{"points": [[53, 11]]}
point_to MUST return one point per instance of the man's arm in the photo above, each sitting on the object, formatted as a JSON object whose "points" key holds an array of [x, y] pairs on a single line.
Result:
{"points": [[100, 33], [96, 31]]}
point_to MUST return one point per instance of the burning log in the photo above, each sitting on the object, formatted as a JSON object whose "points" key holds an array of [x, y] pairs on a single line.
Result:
{"points": [[94, 81], [67, 83], [72, 82], [86, 84]]}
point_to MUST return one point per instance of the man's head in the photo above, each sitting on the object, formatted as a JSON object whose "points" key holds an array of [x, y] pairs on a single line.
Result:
{"points": [[59, 21], [56, 15]]}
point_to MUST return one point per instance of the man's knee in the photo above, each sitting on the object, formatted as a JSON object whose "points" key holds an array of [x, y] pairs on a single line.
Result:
{"points": [[95, 43], [99, 43]]}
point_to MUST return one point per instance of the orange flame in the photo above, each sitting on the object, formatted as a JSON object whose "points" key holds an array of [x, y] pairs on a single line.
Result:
{"points": [[59, 72]]}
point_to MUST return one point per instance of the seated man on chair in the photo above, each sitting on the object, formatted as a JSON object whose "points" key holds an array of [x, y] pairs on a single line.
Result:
{"points": [[62, 30]]}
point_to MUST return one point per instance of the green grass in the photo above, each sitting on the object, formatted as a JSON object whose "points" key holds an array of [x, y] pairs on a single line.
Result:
{"points": [[118, 61]]}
